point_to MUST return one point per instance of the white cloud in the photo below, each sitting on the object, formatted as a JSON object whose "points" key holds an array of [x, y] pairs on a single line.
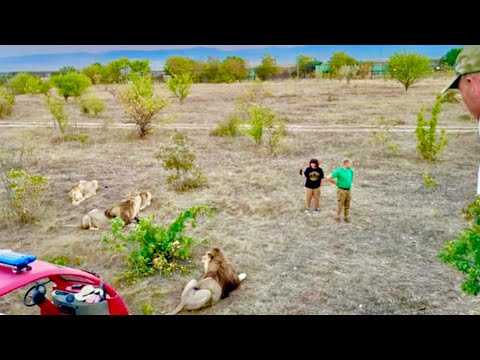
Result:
{"points": [[19, 50]]}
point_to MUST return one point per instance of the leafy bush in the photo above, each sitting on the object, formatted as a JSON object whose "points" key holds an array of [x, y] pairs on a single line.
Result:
{"points": [[463, 253], [180, 85], [429, 144], [91, 104], [71, 84], [408, 68], [230, 127], [182, 160], [232, 69], [25, 83], [178, 65], [56, 108], [7, 100], [147, 309], [450, 97], [151, 247], [450, 57], [67, 69], [24, 194], [263, 121], [339, 60], [268, 68], [429, 181], [96, 73], [140, 103]]}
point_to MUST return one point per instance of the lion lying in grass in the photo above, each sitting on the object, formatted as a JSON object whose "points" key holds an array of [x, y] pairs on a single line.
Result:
{"points": [[82, 190], [127, 210]]}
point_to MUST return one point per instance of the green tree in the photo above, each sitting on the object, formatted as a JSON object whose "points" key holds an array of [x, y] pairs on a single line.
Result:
{"points": [[26, 83], [71, 84], [177, 65], [337, 61], [116, 71], [450, 57], [140, 67], [140, 103], [232, 69], [67, 69], [210, 69], [408, 68], [306, 65], [96, 73], [267, 68]]}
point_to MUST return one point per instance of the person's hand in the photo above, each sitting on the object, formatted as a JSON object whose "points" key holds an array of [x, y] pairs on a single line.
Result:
{"points": [[301, 172]]}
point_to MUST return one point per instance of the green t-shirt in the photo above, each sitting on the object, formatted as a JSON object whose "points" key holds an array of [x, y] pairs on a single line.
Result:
{"points": [[344, 177]]}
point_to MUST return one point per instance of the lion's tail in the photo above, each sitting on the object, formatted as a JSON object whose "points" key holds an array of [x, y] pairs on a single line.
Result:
{"points": [[177, 309], [242, 276]]}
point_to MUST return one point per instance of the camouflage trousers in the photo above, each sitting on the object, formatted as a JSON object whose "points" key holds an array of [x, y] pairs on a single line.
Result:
{"points": [[343, 198]]}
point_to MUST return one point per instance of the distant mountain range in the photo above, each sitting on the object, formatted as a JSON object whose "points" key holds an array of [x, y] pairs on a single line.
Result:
{"points": [[285, 55]]}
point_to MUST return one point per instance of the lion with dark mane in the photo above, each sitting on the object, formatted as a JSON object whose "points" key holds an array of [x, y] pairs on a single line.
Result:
{"points": [[219, 279]]}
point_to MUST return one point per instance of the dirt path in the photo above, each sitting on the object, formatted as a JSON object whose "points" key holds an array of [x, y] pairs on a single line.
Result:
{"points": [[293, 128]]}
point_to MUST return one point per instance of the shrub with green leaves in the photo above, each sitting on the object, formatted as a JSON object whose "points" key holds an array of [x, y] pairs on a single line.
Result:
{"points": [[25, 83], [408, 68], [71, 84], [140, 103], [7, 100], [428, 180], [181, 159], [268, 68], [177, 65], [230, 127], [429, 144], [262, 121], [149, 247], [450, 57], [338, 61], [450, 97], [463, 253], [91, 104], [147, 309], [56, 108], [180, 85], [24, 193]]}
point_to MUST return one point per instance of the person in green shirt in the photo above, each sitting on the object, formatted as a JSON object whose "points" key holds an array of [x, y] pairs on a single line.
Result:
{"points": [[343, 178]]}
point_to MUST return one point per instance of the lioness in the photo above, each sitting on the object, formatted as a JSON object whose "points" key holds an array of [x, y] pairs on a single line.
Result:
{"points": [[82, 190]]}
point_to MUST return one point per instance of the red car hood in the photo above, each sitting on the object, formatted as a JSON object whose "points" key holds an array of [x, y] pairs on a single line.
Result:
{"points": [[9, 281]]}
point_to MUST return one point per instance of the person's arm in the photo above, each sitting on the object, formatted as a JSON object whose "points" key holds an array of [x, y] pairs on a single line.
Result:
{"points": [[331, 179]]}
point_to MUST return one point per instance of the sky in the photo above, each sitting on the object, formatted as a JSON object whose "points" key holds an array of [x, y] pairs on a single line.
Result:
{"points": [[53, 57]]}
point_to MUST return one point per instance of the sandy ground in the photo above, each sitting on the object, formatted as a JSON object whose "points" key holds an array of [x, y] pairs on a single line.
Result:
{"points": [[384, 262]]}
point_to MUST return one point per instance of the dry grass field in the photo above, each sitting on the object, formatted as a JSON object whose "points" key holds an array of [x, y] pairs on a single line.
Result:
{"points": [[384, 262]]}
